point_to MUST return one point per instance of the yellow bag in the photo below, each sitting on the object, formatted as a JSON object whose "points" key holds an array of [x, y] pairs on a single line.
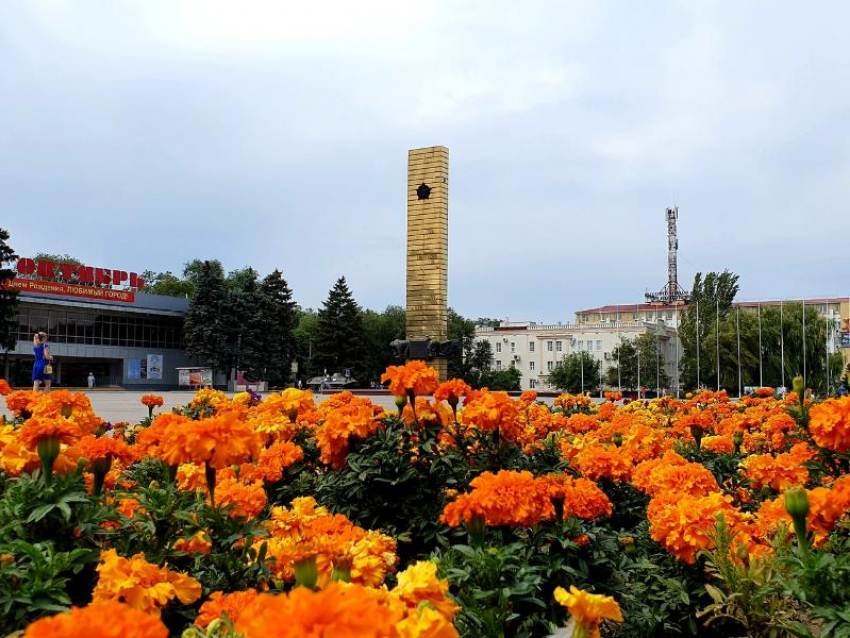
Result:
{"points": [[48, 369]]}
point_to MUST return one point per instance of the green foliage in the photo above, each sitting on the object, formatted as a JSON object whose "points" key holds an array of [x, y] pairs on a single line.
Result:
{"points": [[340, 340], [384, 485], [380, 328], [205, 328], [8, 298], [167, 284], [278, 323], [577, 372], [639, 362], [37, 580]]}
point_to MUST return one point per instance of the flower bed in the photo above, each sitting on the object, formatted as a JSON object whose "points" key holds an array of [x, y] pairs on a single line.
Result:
{"points": [[475, 514]]}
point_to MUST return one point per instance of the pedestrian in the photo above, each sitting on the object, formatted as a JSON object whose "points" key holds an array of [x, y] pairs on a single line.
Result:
{"points": [[42, 369], [842, 390], [91, 380]]}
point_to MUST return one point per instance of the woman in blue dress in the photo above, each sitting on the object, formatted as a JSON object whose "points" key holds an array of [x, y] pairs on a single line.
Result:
{"points": [[42, 361]]}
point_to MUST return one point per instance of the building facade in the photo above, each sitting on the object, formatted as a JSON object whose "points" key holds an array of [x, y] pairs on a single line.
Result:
{"points": [[119, 335], [535, 349]]}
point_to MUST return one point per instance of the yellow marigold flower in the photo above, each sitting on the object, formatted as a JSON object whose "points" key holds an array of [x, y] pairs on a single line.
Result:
{"points": [[141, 584], [99, 620], [426, 622], [588, 610], [419, 583], [683, 523]]}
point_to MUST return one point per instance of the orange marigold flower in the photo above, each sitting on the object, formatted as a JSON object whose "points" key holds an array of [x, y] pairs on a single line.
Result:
{"points": [[103, 448], [340, 609], [779, 472], [152, 400], [197, 544], [581, 498], [5, 388], [451, 391], [719, 444], [588, 610], [506, 498], [596, 461], [826, 507], [141, 584], [21, 402], [129, 506], [272, 461], [342, 425], [829, 423], [37, 429], [683, 523], [244, 500], [613, 396], [221, 605], [220, 441], [149, 439], [98, 620], [673, 475], [415, 377], [490, 411]]}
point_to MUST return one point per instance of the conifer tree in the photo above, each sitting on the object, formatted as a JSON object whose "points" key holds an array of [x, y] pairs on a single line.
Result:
{"points": [[204, 328], [279, 317], [8, 298], [340, 338]]}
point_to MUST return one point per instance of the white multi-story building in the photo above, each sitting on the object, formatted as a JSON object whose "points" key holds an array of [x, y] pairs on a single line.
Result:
{"points": [[535, 349]]}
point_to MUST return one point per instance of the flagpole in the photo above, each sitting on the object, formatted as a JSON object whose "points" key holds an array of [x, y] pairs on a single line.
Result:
{"points": [[717, 336], [619, 347], [738, 330], [804, 344], [761, 369], [782, 343], [697, 329]]}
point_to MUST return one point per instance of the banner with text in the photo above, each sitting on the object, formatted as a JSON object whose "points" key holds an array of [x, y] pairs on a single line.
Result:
{"points": [[71, 290]]}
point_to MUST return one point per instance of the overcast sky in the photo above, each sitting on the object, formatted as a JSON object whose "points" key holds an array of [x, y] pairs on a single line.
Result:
{"points": [[275, 134]]}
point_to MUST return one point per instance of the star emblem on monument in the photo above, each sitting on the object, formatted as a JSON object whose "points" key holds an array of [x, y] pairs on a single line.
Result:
{"points": [[424, 191]]}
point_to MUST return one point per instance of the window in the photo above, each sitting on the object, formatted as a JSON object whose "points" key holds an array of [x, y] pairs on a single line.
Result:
{"points": [[532, 383], [531, 346], [581, 345], [498, 346], [548, 346], [531, 366], [513, 346], [559, 345], [598, 345], [550, 365], [634, 315], [498, 364]]}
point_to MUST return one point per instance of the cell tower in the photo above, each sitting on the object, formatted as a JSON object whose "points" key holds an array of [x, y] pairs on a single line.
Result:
{"points": [[672, 293]]}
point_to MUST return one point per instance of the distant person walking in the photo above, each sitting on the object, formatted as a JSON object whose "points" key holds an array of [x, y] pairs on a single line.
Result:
{"points": [[91, 380], [42, 369], [842, 390]]}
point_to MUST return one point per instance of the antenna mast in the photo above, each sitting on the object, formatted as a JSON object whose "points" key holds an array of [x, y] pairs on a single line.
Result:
{"points": [[672, 293]]}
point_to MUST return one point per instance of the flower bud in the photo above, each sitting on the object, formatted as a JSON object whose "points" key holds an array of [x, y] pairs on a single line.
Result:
{"points": [[797, 502], [617, 439], [799, 387], [737, 441], [306, 573], [400, 402]]}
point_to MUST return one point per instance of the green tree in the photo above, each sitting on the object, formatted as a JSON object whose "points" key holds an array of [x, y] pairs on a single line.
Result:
{"points": [[506, 379], [8, 298], [167, 284], [380, 329], [205, 329], [278, 319], [242, 309], [712, 296], [463, 330], [577, 372], [638, 362], [340, 339], [304, 335]]}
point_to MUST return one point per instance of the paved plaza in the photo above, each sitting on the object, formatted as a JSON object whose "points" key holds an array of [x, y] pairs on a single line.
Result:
{"points": [[125, 405]]}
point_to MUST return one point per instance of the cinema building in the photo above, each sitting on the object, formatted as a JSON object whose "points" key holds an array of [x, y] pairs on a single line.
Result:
{"points": [[97, 322]]}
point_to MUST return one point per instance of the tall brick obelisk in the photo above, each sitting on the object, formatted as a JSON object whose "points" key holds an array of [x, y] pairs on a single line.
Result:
{"points": [[428, 246]]}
